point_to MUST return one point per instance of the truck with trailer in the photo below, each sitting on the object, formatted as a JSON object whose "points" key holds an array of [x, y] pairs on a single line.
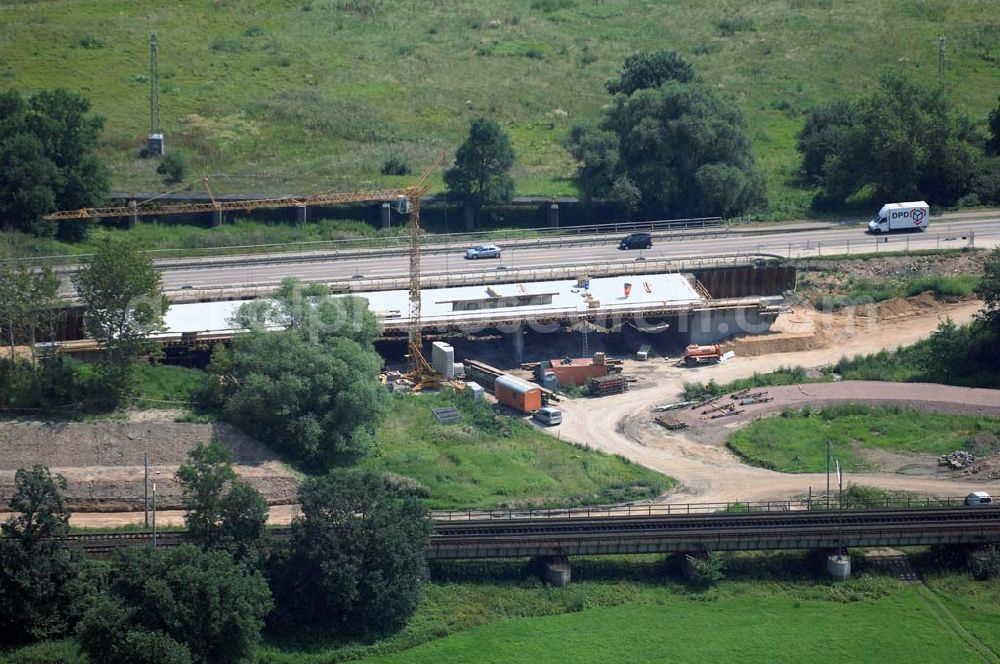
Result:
{"points": [[912, 216]]}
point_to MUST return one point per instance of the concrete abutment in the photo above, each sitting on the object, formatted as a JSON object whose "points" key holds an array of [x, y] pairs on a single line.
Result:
{"points": [[555, 570]]}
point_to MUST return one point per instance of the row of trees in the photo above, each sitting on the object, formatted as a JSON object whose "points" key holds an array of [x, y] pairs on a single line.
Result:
{"points": [[123, 303], [667, 146], [353, 565], [903, 141]]}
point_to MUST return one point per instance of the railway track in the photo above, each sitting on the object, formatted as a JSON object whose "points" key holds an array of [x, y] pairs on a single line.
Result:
{"points": [[566, 535]]}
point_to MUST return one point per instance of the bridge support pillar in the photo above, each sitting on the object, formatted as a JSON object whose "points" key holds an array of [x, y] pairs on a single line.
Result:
{"points": [[556, 570], [302, 214], [552, 218], [218, 218], [838, 566], [978, 561], [517, 344], [469, 211], [385, 215]]}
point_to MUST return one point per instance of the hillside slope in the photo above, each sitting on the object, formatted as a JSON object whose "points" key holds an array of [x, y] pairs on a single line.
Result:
{"points": [[302, 95]]}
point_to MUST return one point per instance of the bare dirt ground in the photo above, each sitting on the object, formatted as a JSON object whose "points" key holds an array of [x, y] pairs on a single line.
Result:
{"points": [[708, 472], [103, 461]]}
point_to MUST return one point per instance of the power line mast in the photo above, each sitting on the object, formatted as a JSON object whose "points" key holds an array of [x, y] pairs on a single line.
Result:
{"points": [[155, 146]]}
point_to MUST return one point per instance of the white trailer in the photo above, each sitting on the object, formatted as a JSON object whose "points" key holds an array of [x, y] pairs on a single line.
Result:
{"points": [[915, 215]]}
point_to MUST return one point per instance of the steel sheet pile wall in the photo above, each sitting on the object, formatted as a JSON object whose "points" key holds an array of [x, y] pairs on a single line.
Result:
{"points": [[747, 280]]}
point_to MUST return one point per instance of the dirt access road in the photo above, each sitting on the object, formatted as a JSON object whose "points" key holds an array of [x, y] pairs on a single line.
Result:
{"points": [[711, 473]]}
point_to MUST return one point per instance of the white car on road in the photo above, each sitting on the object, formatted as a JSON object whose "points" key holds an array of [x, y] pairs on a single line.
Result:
{"points": [[483, 251]]}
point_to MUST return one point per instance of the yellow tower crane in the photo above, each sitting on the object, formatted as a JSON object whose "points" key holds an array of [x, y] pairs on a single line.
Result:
{"points": [[407, 199]]}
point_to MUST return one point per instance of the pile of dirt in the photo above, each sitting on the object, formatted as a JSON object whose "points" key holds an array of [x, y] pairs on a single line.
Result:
{"points": [[794, 331], [901, 306]]}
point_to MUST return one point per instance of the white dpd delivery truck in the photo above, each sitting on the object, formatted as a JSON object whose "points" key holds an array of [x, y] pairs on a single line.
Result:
{"points": [[900, 217]]}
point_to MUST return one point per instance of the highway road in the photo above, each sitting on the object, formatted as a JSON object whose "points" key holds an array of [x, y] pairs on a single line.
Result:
{"points": [[952, 231]]}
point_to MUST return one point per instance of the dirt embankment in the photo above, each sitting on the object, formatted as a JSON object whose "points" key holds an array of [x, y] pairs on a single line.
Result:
{"points": [[103, 461]]}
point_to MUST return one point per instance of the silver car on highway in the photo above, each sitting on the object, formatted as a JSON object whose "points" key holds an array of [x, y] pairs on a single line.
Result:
{"points": [[483, 251]]}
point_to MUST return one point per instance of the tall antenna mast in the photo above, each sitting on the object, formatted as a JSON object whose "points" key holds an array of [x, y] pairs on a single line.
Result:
{"points": [[155, 145]]}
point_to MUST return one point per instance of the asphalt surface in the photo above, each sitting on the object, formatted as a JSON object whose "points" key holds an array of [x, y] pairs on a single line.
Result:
{"points": [[945, 232]]}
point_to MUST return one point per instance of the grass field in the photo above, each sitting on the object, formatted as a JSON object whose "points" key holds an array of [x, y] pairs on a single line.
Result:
{"points": [[317, 94], [771, 608], [488, 461], [795, 441]]}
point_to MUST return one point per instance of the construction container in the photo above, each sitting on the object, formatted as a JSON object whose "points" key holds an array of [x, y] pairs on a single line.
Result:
{"points": [[604, 385], [475, 389], [518, 394], [571, 372], [459, 370], [443, 359], [550, 381]]}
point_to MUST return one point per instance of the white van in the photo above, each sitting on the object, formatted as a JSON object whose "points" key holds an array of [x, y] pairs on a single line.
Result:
{"points": [[548, 415], [979, 499]]}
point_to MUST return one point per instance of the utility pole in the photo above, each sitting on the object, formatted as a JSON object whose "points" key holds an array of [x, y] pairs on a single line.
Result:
{"points": [[155, 145], [154, 515], [145, 488], [827, 473], [941, 42]]}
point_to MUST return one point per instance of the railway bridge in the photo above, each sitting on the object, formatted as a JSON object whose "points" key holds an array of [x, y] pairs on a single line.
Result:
{"points": [[556, 536]]}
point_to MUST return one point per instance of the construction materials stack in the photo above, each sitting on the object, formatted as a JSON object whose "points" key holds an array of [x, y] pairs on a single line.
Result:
{"points": [[602, 386]]}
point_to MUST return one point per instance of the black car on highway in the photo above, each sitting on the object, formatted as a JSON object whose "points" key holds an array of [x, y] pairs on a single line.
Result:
{"points": [[636, 241]]}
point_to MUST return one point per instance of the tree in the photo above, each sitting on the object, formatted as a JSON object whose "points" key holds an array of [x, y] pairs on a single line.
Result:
{"points": [[124, 303], [650, 70], [26, 178], [173, 167], [318, 402], [204, 479], [311, 390], [310, 310], [993, 140], [36, 571], [901, 142], [26, 299], [357, 554], [182, 604], [675, 150], [243, 531], [47, 160], [481, 174], [988, 290], [222, 512]]}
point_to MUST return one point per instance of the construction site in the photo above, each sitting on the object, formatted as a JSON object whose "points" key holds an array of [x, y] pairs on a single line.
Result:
{"points": [[606, 342]]}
